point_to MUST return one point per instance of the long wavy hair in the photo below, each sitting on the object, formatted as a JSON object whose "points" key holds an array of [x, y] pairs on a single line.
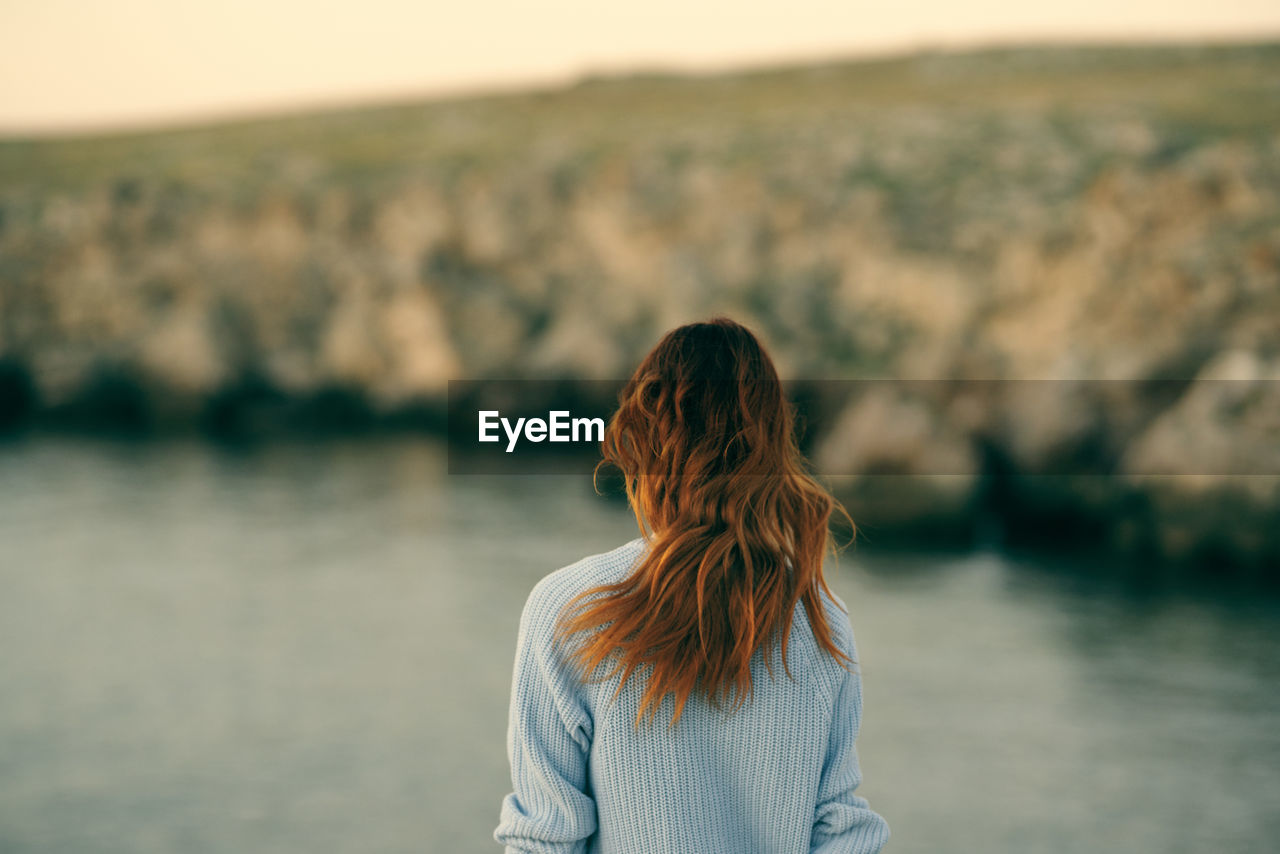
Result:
{"points": [[704, 438]]}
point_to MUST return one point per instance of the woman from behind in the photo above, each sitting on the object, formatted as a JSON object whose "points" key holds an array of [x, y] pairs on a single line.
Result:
{"points": [[694, 691]]}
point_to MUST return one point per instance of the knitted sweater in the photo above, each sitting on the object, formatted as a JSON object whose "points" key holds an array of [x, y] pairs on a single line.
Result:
{"points": [[776, 776]]}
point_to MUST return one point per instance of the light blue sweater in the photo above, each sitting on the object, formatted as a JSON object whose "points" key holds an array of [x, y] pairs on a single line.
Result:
{"points": [[776, 776]]}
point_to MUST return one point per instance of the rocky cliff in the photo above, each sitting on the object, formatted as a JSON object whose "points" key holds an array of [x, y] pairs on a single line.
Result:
{"points": [[1039, 215]]}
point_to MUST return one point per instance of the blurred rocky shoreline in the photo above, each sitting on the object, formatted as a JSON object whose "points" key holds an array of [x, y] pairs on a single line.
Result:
{"points": [[1034, 215]]}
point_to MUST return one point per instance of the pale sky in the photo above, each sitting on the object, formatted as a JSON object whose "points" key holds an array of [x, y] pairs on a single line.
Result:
{"points": [[76, 64]]}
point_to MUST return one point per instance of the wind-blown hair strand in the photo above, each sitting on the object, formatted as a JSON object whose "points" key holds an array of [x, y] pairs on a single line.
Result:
{"points": [[737, 530]]}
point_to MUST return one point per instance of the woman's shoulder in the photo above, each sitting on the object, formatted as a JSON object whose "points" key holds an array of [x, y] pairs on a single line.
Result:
{"points": [[558, 588], [838, 622], [839, 629]]}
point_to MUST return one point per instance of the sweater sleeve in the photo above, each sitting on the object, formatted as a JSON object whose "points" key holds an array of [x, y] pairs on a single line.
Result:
{"points": [[843, 822], [550, 810]]}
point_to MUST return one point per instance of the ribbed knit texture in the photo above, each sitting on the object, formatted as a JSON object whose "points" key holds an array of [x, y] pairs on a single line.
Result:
{"points": [[776, 776]]}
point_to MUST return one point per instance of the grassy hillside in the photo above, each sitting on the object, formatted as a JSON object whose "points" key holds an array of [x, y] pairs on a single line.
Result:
{"points": [[1187, 94]]}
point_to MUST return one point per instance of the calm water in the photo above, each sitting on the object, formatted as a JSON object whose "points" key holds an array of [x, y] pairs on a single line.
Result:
{"points": [[308, 649]]}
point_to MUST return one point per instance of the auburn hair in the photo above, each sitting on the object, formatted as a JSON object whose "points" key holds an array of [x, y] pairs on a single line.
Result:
{"points": [[737, 530]]}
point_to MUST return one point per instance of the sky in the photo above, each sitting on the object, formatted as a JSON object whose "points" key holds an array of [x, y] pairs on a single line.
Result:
{"points": [[70, 65]]}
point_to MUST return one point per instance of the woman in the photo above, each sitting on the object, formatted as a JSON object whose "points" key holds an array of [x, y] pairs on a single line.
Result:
{"points": [[694, 691]]}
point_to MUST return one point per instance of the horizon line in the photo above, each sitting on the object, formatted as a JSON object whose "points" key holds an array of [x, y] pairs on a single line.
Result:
{"points": [[225, 116]]}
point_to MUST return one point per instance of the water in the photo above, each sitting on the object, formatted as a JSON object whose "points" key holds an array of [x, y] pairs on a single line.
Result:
{"points": [[308, 648]]}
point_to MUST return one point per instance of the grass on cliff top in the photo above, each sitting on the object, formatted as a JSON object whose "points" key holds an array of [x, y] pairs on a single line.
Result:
{"points": [[1201, 91]]}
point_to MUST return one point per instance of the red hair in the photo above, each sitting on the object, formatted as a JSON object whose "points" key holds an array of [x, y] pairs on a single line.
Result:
{"points": [[704, 438]]}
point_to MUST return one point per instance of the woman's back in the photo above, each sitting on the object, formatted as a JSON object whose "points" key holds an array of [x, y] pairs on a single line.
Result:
{"points": [[776, 774], [694, 691]]}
